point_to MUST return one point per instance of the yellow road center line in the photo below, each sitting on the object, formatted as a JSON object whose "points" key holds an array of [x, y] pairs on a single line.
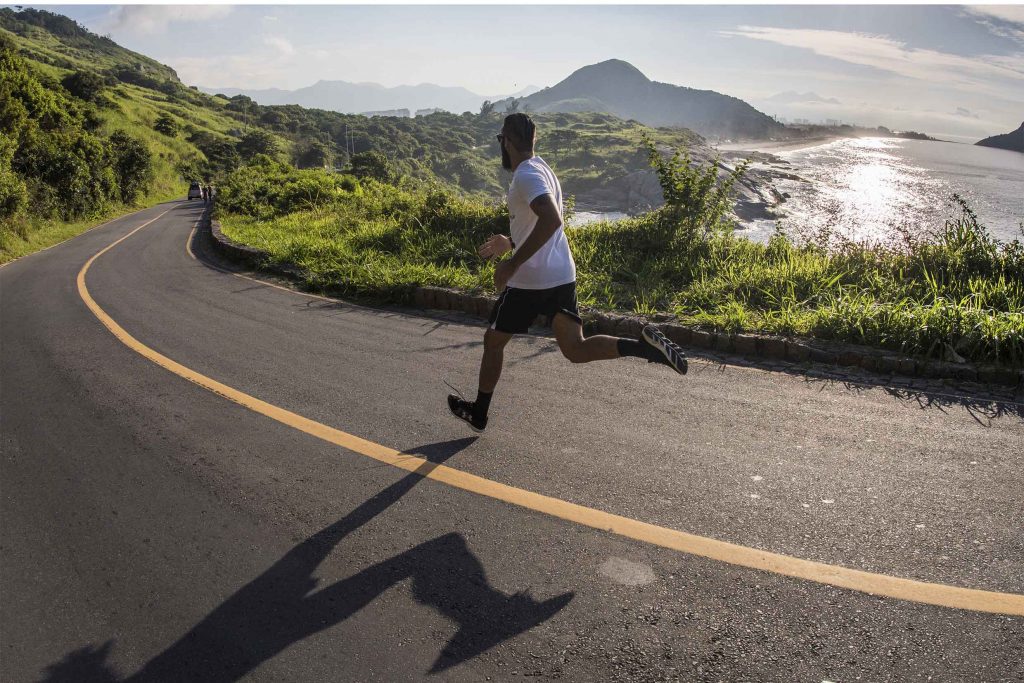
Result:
{"points": [[844, 577]]}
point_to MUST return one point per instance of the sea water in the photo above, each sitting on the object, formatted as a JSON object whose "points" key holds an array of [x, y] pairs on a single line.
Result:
{"points": [[866, 188]]}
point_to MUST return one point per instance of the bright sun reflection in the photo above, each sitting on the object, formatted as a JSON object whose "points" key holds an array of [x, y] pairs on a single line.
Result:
{"points": [[862, 189]]}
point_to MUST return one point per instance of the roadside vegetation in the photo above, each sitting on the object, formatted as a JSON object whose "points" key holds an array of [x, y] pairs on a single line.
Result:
{"points": [[377, 206], [74, 91], [955, 293], [90, 131]]}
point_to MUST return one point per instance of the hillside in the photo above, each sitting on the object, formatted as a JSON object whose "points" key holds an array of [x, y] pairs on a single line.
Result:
{"points": [[619, 88], [71, 102], [1012, 141], [188, 134]]}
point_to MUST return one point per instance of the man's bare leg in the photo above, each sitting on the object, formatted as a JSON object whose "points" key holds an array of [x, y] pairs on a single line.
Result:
{"points": [[494, 358], [652, 346], [569, 334], [474, 413]]}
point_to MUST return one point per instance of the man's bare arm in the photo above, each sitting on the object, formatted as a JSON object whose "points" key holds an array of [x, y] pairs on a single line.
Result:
{"points": [[548, 222]]}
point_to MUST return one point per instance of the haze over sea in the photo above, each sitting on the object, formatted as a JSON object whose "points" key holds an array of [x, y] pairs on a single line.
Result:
{"points": [[864, 187]]}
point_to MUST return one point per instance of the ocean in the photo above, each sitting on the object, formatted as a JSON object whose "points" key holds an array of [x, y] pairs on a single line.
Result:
{"points": [[862, 188]]}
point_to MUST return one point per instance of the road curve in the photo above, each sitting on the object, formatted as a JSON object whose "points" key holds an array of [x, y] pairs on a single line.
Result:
{"points": [[153, 530]]}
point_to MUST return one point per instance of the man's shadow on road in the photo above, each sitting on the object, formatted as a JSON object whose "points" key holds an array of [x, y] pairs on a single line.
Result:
{"points": [[281, 606]]}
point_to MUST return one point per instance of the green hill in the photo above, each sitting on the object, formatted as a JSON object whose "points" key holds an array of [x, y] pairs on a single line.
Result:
{"points": [[69, 101], [70, 92], [619, 88]]}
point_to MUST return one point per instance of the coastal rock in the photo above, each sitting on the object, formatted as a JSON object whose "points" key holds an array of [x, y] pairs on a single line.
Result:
{"points": [[1012, 141], [756, 197]]}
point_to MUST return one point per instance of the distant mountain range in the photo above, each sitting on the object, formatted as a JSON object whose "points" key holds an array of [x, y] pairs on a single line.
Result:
{"points": [[1013, 141], [619, 88], [355, 98], [612, 87], [793, 97]]}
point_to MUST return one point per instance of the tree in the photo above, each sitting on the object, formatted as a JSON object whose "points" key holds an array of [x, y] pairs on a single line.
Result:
{"points": [[192, 168], [372, 165], [85, 85], [133, 164], [315, 155], [258, 142], [273, 118], [166, 125], [694, 192], [222, 155], [487, 108], [13, 193], [513, 106]]}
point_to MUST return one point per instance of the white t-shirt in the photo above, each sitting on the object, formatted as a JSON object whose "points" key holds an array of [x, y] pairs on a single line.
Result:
{"points": [[552, 265]]}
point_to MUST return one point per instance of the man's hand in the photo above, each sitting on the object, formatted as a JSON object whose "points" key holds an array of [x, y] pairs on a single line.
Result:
{"points": [[495, 247], [503, 272]]}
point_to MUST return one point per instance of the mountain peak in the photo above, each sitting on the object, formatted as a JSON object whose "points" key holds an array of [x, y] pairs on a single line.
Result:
{"points": [[615, 69]]}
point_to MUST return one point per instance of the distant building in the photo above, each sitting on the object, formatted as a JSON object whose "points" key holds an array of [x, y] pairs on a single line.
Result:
{"points": [[401, 113]]}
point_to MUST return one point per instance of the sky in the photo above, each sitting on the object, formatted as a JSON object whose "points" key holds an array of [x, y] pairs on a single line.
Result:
{"points": [[955, 71]]}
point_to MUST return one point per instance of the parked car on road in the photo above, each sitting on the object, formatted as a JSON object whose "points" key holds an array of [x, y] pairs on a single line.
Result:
{"points": [[195, 191]]}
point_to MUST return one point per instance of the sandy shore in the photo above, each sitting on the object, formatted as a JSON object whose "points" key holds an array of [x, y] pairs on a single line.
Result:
{"points": [[778, 145]]}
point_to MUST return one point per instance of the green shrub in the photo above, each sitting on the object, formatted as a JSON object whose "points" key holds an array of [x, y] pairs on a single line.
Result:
{"points": [[133, 164], [13, 194], [257, 142], [85, 85], [68, 172], [372, 165], [166, 125]]}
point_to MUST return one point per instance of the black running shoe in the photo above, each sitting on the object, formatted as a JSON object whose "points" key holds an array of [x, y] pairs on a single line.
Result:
{"points": [[673, 355], [463, 410]]}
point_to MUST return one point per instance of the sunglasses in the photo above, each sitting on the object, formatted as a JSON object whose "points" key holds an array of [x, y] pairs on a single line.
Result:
{"points": [[500, 137]]}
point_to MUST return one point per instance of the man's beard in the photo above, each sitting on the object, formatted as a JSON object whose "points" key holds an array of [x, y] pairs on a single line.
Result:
{"points": [[506, 160]]}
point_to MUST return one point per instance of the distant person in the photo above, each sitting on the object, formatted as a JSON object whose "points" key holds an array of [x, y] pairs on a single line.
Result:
{"points": [[205, 192], [212, 191], [540, 278]]}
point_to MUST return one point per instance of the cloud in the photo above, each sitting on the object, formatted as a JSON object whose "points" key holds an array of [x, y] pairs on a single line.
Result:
{"points": [[280, 44], [984, 73], [149, 19], [1002, 20], [1011, 13], [282, 66], [966, 113]]}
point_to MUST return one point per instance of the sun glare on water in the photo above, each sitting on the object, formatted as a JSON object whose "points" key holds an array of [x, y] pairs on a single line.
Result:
{"points": [[870, 191]]}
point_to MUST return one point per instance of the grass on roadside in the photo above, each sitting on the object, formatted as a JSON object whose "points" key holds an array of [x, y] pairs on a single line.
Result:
{"points": [[960, 291]]}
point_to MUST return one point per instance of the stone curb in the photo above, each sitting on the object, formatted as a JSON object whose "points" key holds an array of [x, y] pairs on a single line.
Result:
{"points": [[743, 344]]}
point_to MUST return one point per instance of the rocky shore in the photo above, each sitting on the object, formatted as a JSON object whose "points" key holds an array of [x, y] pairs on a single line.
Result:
{"points": [[757, 197]]}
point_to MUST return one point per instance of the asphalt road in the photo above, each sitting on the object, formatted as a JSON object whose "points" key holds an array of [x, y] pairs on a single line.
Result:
{"points": [[155, 531]]}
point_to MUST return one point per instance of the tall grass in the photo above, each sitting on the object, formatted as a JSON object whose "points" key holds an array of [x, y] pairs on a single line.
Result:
{"points": [[959, 292]]}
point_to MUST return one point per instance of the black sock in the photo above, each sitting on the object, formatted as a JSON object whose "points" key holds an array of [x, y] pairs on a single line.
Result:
{"points": [[638, 349], [483, 402]]}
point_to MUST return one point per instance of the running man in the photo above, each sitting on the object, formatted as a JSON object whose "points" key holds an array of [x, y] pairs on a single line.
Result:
{"points": [[540, 278]]}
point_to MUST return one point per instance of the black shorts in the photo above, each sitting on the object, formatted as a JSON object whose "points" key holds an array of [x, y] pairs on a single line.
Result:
{"points": [[516, 309]]}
